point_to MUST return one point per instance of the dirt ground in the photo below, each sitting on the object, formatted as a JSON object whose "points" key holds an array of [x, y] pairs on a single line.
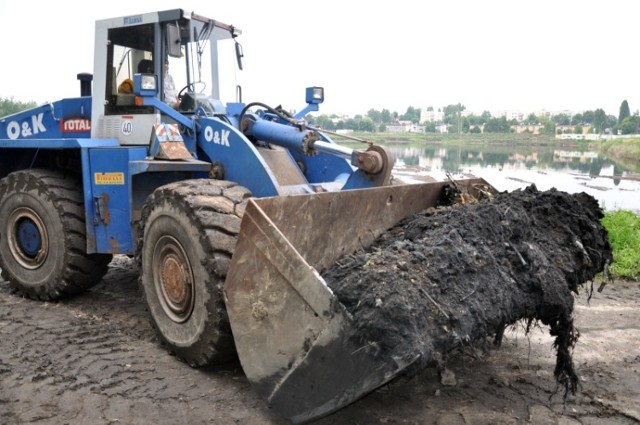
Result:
{"points": [[95, 359]]}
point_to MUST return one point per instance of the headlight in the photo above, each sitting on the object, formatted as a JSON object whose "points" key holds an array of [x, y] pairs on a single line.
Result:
{"points": [[315, 95], [145, 85], [148, 82]]}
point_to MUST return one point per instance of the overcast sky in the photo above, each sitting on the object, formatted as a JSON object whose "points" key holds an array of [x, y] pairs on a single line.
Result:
{"points": [[487, 55]]}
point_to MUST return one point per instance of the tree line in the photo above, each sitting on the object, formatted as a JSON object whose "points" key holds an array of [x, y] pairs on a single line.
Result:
{"points": [[452, 118], [456, 122], [11, 106]]}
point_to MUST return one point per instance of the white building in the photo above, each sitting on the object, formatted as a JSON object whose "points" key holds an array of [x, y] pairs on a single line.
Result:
{"points": [[431, 116]]}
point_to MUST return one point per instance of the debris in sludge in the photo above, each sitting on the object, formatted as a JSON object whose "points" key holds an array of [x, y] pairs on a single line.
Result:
{"points": [[440, 282]]}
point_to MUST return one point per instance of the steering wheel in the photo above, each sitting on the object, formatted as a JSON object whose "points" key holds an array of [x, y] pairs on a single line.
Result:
{"points": [[193, 86]]}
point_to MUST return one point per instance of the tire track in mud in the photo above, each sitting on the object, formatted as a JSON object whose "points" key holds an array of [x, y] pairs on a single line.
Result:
{"points": [[95, 359]]}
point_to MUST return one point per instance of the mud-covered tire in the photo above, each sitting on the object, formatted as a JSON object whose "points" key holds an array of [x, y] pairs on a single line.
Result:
{"points": [[187, 235], [43, 237]]}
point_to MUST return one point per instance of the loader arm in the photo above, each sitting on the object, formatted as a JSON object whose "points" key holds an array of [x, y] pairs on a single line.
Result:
{"points": [[223, 144]]}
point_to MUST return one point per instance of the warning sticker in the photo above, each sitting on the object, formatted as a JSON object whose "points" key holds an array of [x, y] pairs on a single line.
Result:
{"points": [[108, 178]]}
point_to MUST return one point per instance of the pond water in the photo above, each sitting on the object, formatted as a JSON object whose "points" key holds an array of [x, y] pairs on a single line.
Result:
{"points": [[512, 167]]}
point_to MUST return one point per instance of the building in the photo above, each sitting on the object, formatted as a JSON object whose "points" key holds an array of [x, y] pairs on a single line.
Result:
{"points": [[431, 116], [404, 127]]}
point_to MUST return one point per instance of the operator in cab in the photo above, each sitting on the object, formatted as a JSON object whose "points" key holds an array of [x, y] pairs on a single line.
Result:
{"points": [[145, 66], [170, 93]]}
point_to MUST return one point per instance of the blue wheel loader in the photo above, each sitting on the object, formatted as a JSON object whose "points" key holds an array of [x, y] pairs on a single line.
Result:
{"points": [[233, 210]]}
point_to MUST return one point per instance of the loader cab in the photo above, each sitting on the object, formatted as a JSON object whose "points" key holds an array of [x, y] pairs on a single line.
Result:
{"points": [[201, 57]]}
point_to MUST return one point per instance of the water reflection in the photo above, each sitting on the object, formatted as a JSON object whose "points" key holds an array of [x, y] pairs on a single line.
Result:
{"points": [[513, 167]]}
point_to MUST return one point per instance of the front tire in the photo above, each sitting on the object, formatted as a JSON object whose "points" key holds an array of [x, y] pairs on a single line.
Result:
{"points": [[43, 236], [187, 236]]}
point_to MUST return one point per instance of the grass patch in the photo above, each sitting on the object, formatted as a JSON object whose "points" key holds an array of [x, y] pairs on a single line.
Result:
{"points": [[454, 139], [624, 151], [624, 235]]}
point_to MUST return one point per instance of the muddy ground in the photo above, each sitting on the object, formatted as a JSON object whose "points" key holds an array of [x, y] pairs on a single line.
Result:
{"points": [[95, 359]]}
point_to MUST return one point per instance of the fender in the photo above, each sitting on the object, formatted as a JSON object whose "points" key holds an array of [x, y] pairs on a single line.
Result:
{"points": [[219, 142]]}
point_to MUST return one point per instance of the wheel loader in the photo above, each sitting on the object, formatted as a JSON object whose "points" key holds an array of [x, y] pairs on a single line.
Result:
{"points": [[233, 210]]}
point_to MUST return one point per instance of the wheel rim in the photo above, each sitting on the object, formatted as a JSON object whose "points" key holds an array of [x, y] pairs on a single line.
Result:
{"points": [[173, 279], [27, 238]]}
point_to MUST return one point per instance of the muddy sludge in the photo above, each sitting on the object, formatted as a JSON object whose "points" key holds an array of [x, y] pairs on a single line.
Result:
{"points": [[453, 280]]}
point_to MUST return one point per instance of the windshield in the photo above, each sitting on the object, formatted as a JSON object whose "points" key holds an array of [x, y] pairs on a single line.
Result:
{"points": [[207, 63]]}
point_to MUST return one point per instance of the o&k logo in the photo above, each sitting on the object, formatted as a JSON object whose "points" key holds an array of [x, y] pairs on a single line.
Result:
{"points": [[16, 129], [217, 137]]}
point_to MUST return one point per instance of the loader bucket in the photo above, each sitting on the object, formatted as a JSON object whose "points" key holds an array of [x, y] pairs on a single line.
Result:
{"points": [[297, 343]]}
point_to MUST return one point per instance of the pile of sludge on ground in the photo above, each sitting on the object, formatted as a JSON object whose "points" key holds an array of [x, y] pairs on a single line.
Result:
{"points": [[439, 282]]}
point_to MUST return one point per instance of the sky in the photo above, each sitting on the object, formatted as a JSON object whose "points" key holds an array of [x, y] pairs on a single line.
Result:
{"points": [[490, 55]]}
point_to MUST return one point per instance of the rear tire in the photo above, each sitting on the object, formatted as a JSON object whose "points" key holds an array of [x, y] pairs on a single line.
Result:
{"points": [[187, 235], [43, 236]]}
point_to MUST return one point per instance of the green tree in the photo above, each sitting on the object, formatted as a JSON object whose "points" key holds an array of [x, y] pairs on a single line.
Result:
{"points": [[465, 125], [548, 126], [310, 119], [376, 116], [326, 123], [366, 124], [430, 127], [386, 116], [624, 111], [9, 106], [412, 114], [474, 120], [630, 125], [576, 119], [562, 119], [599, 120], [587, 117], [532, 119], [497, 125], [452, 113], [453, 116], [351, 124]]}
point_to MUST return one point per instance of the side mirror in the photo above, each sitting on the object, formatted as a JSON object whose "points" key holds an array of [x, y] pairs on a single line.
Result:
{"points": [[239, 54], [173, 41]]}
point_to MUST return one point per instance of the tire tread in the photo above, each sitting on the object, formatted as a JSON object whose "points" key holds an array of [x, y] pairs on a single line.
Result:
{"points": [[211, 206], [80, 270]]}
